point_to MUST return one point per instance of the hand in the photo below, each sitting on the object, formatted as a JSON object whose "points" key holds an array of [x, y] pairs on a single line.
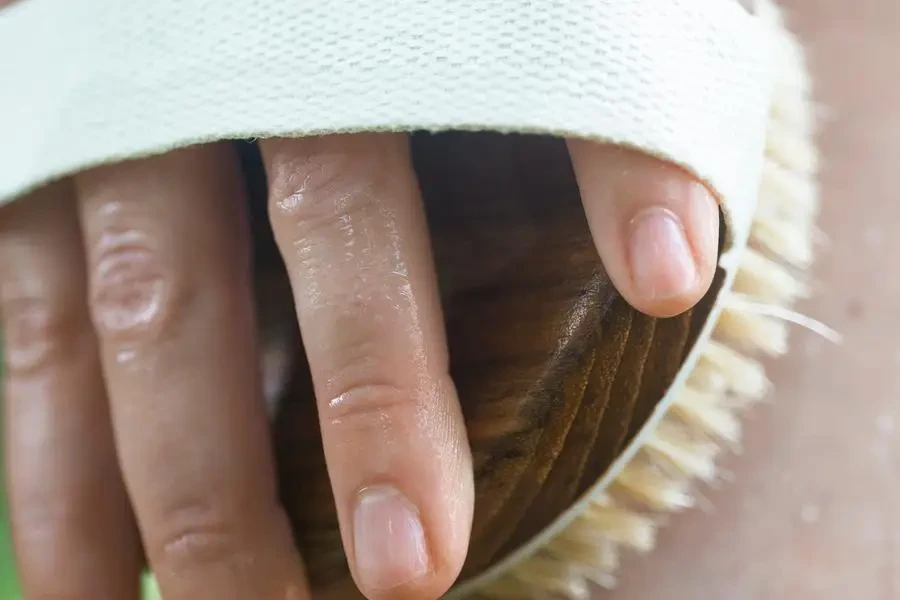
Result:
{"points": [[133, 393]]}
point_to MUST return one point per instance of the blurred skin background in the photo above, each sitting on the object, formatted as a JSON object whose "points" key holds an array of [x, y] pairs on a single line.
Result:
{"points": [[813, 511]]}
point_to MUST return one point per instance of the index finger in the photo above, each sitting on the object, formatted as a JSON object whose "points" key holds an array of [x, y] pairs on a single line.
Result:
{"points": [[349, 220]]}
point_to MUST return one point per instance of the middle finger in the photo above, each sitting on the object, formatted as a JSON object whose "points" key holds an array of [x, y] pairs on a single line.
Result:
{"points": [[171, 302]]}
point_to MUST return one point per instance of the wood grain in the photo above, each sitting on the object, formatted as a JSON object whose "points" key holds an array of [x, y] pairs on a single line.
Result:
{"points": [[556, 373]]}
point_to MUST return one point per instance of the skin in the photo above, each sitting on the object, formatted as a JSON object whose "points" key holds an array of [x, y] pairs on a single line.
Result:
{"points": [[135, 424], [133, 388]]}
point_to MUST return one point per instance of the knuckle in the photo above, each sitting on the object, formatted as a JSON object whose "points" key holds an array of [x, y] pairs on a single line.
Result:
{"points": [[134, 294], [196, 534], [374, 405], [323, 178], [361, 397], [40, 519], [39, 332], [369, 384], [43, 527]]}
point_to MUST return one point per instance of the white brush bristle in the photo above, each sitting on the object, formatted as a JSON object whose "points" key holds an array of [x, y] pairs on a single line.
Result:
{"points": [[654, 487], [753, 332], [766, 280]]}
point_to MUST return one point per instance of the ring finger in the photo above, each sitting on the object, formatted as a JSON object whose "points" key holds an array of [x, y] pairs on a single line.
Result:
{"points": [[73, 528]]}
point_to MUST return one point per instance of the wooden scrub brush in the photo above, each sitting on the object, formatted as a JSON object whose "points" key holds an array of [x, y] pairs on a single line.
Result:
{"points": [[588, 421]]}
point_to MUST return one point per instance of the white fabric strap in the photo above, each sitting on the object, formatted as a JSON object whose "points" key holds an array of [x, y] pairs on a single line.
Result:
{"points": [[83, 82]]}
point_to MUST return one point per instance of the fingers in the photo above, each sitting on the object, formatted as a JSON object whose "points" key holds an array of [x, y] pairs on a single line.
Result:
{"points": [[655, 226], [171, 302], [73, 529], [349, 222]]}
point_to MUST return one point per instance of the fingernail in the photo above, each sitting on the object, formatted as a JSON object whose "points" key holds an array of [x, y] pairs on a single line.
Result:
{"points": [[389, 541], [662, 264]]}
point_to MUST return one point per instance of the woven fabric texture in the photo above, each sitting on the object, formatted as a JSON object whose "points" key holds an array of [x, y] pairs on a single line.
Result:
{"points": [[91, 81]]}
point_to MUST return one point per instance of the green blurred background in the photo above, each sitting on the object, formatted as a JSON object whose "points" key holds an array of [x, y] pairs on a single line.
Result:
{"points": [[9, 587]]}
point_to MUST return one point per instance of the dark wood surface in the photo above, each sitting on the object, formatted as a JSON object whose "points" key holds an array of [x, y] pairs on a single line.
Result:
{"points": [[556, 373]]}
